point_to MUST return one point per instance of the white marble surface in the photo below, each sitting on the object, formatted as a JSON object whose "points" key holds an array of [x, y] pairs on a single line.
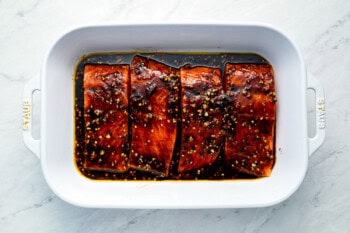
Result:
{"points": [[321, 204]]}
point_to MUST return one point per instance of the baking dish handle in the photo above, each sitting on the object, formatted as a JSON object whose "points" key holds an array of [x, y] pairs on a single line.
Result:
{"points": [[316, 141], [29, 141]]}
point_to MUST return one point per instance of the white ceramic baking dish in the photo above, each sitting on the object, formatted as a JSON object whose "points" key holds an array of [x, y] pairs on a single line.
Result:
{"points": [[55, 148]]}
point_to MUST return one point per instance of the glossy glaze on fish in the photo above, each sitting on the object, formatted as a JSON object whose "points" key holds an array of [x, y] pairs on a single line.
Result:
{"points": [[106, 117], [202, 117], [153, 121], [154, 113], [250, 125]]}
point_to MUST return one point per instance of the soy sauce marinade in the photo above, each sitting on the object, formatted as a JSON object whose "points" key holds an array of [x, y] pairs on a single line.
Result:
{"points": [[217, 171]]}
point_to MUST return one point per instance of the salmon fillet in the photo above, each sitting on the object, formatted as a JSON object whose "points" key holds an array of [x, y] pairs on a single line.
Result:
{"points": [[202, 119], [252, 89], [250, 149], [154, 113], [106, 117], [249, 146]]}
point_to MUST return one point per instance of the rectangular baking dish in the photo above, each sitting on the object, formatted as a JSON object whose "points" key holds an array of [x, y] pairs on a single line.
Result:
{"points": [[55, 148]]}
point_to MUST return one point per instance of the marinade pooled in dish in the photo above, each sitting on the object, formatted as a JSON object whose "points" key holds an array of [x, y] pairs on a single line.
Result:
{"points": [[175, 116]]}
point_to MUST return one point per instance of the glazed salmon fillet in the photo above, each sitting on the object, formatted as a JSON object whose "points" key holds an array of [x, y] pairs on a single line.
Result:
{"points": [[251, 122], [154, 113], [202, 118], [252, 89], [250, 149], [106, 117]]}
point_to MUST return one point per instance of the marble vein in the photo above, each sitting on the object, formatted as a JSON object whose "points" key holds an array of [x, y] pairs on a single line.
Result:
{"points": [[332, 38], [30, 9], [258, 222], [34, 206], [135, 220], [11, 78]]}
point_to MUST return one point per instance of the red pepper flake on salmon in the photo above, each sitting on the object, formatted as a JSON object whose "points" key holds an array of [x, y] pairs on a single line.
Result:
{"points": [[202, 117], [106, 117], [154, 113], [249, 146]]}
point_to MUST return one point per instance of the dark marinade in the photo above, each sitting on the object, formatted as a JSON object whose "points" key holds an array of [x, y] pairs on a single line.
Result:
{"points": [[218, 170]]}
